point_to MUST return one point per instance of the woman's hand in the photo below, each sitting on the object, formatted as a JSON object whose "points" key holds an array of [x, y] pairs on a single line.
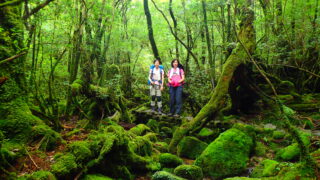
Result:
{"points": [[161, 88]]}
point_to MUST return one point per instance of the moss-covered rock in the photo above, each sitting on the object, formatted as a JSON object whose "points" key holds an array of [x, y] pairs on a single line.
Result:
{"points": [[151, 137], [295, 171], [190, 172], [64, 165], [161, 146], [81, 150], [50, 137], [266, 168], [169, 160], [278, 134], [95, 177], [227, 155], [153, 125], [166, 132], [140, 130], [190, 147], [40, 175], [292, 152], [163, 175], [260, 149], [208, 135], [141, 146]]}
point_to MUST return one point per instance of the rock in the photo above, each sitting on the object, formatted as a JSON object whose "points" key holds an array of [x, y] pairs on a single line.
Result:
{"points": [[190, 147], [169, 160], [266, 168], [190, 172], [163, 175], [227, 155]]}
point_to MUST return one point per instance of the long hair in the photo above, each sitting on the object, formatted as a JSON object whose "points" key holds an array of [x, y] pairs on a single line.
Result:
{"points": [[179, 65]]}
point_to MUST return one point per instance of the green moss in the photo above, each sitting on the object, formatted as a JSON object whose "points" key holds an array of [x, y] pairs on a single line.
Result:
{"points": [[95, 177], [244, 178], [190, 147], [50, 137], [169, 160], [295, 171], [153, 125], [169, 170], [76, 85], [161, 146], [278, 134], [227, 155], [163, 175], [81, 150], [12, 150], [166, 131], [140, 129], [266, 168], [260, 149], [190, 172], [151, 137], [208, 135], [64, 165], [292, 152], [141, 146], [41, 175]]}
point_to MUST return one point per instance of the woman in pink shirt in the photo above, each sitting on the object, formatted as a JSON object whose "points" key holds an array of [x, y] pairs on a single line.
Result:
{"points": [[176, 80]]}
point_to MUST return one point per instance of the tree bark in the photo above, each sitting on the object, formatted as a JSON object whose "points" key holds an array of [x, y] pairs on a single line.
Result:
{"points": [[220, 95], [150, 30], [175, 25]]}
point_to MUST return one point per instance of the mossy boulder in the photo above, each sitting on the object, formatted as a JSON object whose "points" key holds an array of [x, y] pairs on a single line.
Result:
{"points": [[190, 172], [50, 137], [169, 160], [64, 165], [141, 145], [95, 177], [40, 175], [153, 125], [260, 149], [191, 147], [161, 146], [292, 151], [278, 134], [266, 168], [208, 135], [295, 171], [227, 155], [163, 175], [81, 150]]}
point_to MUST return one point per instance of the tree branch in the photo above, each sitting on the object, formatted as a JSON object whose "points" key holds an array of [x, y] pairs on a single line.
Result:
{"points": [[10, 3], [13, 57], [36, 9], [174, 34]]}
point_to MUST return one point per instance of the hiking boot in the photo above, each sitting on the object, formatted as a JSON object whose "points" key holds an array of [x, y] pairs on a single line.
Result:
{"points": [[153, 108]]}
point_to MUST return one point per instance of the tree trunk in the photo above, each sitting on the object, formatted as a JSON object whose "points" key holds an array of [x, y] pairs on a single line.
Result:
{"points": [[175, 25], [150, 30], [207, 34], [220, 95]]}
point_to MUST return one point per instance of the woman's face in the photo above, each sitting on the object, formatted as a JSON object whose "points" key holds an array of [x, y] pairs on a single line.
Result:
{"points": [[175, 64], [157, 63]]}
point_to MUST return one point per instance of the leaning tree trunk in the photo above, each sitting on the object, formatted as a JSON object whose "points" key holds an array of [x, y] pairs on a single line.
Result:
{"points": [[220, 95]]}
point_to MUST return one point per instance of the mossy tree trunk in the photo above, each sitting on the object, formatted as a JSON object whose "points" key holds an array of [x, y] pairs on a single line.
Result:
{"points": [[219, 97], [16, 119]]}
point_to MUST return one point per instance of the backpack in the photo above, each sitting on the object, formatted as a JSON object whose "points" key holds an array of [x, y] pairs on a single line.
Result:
{"points": [[161, 71]]}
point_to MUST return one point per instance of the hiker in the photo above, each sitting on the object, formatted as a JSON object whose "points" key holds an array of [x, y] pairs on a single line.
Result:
{"points": [[176, 81], [156, 76]]}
